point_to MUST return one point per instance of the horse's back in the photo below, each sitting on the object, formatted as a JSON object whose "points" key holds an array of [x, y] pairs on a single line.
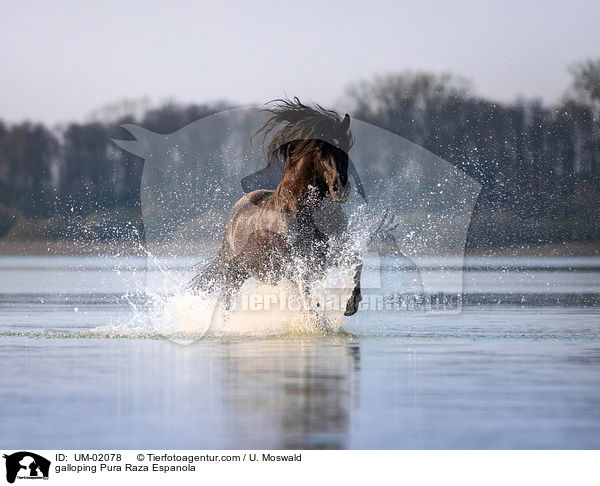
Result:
{"points": [[249, 218], [248, 205], [258, 197]]}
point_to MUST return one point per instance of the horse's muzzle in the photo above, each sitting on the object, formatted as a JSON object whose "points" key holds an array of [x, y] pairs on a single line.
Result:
{"points": [[341, 195]]}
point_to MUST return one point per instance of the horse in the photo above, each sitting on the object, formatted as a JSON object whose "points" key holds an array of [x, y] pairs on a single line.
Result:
{"points": [[268, 232]]}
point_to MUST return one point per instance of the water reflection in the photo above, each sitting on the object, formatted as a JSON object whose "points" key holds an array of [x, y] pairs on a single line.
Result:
{"points": [[287, 395]]}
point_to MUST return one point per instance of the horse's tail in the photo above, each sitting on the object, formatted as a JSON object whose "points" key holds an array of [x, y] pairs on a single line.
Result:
{"points": [[209, 277]]}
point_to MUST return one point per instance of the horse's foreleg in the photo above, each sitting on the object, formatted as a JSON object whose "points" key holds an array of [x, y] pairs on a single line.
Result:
{"points": [[302, 283], [356, 297], [228, 298], [232, 281]]}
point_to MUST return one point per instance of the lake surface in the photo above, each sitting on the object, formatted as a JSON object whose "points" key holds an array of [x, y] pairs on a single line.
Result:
{"points": [[87, 363]]}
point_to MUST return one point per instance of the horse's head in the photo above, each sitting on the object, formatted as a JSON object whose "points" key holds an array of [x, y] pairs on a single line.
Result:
{"points": [[331, 171], [311, 141], [331, 164]]}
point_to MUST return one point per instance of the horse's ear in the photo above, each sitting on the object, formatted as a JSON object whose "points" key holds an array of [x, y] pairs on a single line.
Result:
{"points": [[346, 122]]}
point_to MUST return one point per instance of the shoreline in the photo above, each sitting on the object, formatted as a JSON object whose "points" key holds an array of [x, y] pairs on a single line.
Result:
{"points": [[129, 248]]}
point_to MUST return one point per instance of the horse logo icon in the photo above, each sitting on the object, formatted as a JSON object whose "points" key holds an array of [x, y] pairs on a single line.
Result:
{"points": [[25, 464], [408, 212]]}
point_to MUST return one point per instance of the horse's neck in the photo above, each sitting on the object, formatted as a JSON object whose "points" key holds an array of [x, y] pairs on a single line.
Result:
{"points": [[293, 189]]}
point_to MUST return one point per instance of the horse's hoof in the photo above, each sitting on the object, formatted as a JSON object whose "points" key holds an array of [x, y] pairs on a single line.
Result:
{"points": [[350, 311], [352, 305]]}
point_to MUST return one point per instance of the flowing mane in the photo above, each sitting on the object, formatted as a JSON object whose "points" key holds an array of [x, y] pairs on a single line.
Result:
{"points": [[302, 127]]}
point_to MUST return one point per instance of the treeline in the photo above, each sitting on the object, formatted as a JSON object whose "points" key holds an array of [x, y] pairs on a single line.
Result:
{"points": [[77, 177], [539, 165]]}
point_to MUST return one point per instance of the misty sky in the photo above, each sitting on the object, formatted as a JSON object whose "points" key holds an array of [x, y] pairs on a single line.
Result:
{"points": [[62, 60]]}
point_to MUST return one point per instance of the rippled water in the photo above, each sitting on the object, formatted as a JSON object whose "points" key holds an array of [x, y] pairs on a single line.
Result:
{"points": [[518, 367]]}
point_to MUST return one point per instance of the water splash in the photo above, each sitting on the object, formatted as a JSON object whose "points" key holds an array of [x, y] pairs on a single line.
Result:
{"points": [[169, 309]]}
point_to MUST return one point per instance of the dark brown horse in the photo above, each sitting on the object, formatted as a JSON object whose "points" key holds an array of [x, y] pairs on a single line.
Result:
{"points": [[297, 231]]}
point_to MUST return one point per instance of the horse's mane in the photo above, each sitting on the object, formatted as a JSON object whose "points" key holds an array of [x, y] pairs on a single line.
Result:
{"points": [[302, 127]]}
